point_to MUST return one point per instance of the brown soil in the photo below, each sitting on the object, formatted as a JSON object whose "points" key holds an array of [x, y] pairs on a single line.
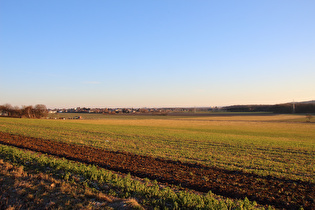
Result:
{"points": [[21, 189], [281, 193]]}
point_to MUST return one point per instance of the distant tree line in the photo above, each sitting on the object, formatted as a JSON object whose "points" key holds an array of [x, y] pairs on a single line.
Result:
{"points": [[249, 108], [295, 108], [37, 111], [278, 108]]}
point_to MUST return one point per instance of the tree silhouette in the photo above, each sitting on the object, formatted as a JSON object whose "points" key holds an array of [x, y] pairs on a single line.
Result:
{"points": [[38, 111]]}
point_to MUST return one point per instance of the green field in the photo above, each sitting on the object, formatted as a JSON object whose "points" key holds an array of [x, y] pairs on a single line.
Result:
{"points": [[277, 145]]}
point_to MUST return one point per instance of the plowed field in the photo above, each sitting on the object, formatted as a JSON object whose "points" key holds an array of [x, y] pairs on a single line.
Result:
{"points": [[282, 193]]}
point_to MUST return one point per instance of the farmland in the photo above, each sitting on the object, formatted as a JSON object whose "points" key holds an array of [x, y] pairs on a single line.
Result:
{"points": [[268, 147]]}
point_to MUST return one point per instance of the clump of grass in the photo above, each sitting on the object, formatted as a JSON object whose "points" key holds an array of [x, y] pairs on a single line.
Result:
{"points": [[130, 203]]}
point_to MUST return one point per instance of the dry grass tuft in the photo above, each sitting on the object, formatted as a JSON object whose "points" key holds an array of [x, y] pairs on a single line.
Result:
{"points": [[133, 203], [126, 204], [21, 189], [103, 197], [7, 166], [19, 172]]}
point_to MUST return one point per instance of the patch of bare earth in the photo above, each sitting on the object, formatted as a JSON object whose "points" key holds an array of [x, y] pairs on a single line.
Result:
{"points": [[26, 190]]}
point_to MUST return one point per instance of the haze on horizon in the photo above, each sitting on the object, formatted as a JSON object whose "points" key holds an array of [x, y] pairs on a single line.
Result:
{"points": [[156, 53]]}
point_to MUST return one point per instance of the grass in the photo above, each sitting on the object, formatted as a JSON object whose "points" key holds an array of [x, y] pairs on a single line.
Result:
{"points": [[79, 185], [277, 145], [21, 189]]}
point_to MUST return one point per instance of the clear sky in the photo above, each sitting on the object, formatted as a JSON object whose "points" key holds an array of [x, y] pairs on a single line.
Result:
{"points": [[156, 53]]}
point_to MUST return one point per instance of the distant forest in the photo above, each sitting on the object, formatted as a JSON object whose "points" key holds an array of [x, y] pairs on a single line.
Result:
{"points": [[302, 108], [37, 111]]}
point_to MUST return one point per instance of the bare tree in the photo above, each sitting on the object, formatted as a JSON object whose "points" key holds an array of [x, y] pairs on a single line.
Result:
{"points": [[8, 108], [1, 110], [40, 110], [27, 111], [16, 112], [10, 111]]}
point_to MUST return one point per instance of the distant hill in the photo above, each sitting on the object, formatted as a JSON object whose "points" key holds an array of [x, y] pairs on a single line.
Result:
{"points": [[307, 102]]}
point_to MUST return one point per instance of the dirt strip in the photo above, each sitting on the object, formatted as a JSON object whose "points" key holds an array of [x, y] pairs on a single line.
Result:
{"points": [[281, 193]]}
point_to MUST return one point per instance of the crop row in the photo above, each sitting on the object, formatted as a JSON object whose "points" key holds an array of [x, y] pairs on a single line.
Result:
{"points": [[282, 193], [265, 148], [28, 189], [150, 193]]}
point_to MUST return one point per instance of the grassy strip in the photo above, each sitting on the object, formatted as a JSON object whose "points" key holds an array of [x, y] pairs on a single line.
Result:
{"points": [[149, 193], [26, 189]]}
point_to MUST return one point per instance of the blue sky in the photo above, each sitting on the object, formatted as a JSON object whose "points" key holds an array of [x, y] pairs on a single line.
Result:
{"points": [[156, 53]]}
